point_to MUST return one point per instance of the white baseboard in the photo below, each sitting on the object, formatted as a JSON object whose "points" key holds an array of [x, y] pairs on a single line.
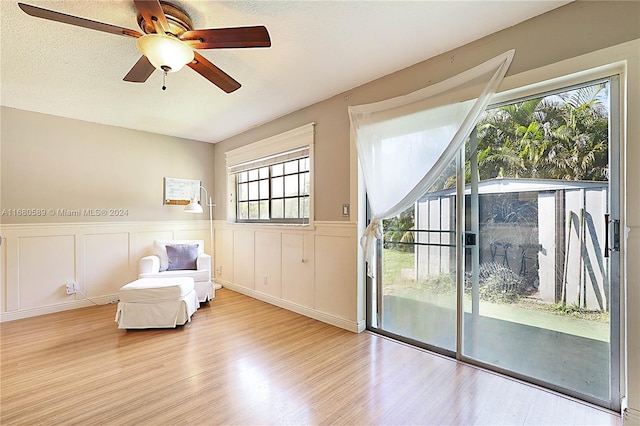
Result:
{"points": [[353, 326], [630, 417], [66, 306]]}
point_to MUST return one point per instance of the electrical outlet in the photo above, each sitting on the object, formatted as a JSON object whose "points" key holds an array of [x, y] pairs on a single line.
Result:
{"points": [[72, 287], [219, 270]]}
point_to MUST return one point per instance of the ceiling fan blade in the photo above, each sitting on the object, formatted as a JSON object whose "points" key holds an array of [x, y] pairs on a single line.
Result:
{"points": [[152, 12], [214, 74], [51, 15], [140, 71], [219, 38]]}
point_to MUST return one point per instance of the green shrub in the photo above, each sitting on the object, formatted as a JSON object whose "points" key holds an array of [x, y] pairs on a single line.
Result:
{"points": [[498, 283]]}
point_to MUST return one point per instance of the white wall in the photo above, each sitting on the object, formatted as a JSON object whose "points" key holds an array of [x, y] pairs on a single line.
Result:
{"points": [[306, 269], [53, 163], [38, 260]]}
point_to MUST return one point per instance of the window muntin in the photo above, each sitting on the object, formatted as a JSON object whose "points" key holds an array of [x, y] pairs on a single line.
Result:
{"points": [[278, 193], [268, 157]]}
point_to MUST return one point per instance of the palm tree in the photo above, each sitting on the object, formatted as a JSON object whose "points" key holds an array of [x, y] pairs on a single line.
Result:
{"points": [[398, 231], [581, 148], [509, 138], [556, 137]]}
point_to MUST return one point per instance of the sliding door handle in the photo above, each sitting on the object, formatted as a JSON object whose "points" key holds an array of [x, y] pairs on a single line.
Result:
{"points": [[606, 235], [470, 239], [615, 224]]}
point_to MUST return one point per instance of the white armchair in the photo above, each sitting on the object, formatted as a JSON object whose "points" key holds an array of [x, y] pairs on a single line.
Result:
{"points": [[180, 258]]}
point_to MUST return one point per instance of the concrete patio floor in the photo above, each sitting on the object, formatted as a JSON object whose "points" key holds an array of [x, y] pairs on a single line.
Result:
{"points": [[569, 352]]}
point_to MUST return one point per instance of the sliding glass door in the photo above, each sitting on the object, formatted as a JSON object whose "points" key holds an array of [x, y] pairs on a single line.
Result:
{"points": [[511, 260], [541, 298], [416, 295]]}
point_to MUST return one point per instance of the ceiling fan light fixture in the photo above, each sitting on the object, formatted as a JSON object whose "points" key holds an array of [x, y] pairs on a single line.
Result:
{"points": [[165, 53]]}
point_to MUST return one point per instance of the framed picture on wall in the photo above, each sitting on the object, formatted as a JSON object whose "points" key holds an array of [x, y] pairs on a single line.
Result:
{"points": [[180, 191]]}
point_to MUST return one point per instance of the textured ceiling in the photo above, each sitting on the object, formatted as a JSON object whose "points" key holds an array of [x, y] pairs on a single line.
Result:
{"points": [[319, 49]]}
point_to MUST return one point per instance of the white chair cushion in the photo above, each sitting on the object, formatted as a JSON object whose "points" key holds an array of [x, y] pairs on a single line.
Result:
{"points": [[150, 289], [197, 275]]}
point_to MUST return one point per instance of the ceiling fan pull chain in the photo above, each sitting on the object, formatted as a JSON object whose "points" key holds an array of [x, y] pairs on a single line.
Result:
{"points": [[164, 79]]}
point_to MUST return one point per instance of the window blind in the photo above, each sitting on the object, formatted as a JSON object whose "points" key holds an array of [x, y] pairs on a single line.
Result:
{"points": [[282, 157]]}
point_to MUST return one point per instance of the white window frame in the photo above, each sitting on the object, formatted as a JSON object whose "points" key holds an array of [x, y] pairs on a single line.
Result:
{"points": [[298, 138]]}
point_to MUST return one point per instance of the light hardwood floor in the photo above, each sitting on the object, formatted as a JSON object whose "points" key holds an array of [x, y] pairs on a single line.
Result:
{"points": [[242, 361]]}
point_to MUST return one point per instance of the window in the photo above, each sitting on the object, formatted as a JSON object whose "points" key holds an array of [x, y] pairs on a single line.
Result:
{"points": [[271, 181], [275, 193]]}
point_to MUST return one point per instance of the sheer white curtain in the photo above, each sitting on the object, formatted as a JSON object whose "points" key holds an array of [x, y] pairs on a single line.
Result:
{"points": [[405, 143]]}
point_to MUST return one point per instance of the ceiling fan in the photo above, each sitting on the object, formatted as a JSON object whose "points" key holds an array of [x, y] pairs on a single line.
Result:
{"points": [[168, 40]]}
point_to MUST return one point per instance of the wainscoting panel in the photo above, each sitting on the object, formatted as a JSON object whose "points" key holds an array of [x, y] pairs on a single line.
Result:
{"points": [[143, 243], [243, 258], [223, 260], [192, 234], [632, 314], [106, 263], [45, 265], [268, 264], [310, 270], [297, 269], [335, 260], [40, 259]]}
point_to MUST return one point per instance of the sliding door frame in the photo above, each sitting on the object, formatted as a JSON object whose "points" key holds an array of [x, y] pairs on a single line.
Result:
{"points": [[612, 75], [614, 201]]}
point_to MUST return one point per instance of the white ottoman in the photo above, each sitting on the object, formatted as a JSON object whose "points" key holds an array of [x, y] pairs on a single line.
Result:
{"points": [[156, 303]]}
